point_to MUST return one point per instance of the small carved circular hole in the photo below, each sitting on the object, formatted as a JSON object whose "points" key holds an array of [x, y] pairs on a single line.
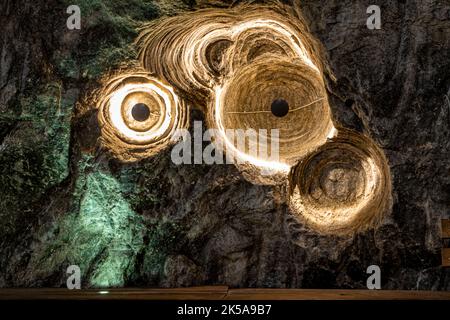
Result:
{"points": [[140, 112], [280, 108]]}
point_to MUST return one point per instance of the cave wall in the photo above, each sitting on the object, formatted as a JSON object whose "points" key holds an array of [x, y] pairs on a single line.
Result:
{"points": [[65, 201]]}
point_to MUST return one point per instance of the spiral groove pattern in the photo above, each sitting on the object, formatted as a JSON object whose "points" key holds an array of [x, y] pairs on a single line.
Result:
{"points": [[342, 187], [251, 68], [237, 62], [138, 115]]}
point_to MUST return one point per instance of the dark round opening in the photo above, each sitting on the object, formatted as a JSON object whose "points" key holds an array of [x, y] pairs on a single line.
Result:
{"points": [[280, 108], [349, 103], [140, 112]]}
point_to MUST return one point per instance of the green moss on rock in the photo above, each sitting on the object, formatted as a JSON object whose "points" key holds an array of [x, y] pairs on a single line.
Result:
{"points": [[103, 237], [35, 155]]}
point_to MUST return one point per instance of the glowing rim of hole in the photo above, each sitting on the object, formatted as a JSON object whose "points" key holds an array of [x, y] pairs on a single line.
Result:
{"points": [[233, 32], [281, 28], [115, 110]]}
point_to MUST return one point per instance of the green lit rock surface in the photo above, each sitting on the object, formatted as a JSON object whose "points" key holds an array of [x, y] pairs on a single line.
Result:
{"points": [[102, 235], [34, 155]]}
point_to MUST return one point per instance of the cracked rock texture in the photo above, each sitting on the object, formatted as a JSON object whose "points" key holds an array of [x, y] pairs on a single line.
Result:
{"points": [[63, 201]]}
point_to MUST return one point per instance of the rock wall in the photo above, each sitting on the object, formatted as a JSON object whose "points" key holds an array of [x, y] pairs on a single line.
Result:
{"points": [[64, 200]]}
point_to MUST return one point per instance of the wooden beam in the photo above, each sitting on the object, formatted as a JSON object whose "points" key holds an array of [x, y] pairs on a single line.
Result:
{"points": [[445, 228], [192, 293], [218, 293], [334, 294], [446, 257]]}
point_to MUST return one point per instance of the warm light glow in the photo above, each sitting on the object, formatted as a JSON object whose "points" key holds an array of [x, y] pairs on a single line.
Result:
{"points": [[202, 53], [128, 138], [235, 63], [115, 110], [274, 166], [343, 187]]}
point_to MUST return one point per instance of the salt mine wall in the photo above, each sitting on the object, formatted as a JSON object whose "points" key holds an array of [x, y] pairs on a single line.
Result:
{"points": [[94, 173]]}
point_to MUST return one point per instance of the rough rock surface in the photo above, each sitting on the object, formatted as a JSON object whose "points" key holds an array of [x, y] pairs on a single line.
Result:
{"points": [[63, 201]]}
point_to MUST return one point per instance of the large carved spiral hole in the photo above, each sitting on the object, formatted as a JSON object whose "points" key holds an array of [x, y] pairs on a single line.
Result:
{"points": [[343, 187]]}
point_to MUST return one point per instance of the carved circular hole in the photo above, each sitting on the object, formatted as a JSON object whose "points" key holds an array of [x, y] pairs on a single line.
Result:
{"points": [[280, 108], [140, 112]]}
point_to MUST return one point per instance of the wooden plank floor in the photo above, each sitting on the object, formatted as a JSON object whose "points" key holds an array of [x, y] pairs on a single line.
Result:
{"points": [[218, 293], [334, 294]]}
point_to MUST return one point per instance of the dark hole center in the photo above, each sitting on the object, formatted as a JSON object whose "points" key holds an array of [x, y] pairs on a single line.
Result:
{"points": [[140, 112], [280, 108]]}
